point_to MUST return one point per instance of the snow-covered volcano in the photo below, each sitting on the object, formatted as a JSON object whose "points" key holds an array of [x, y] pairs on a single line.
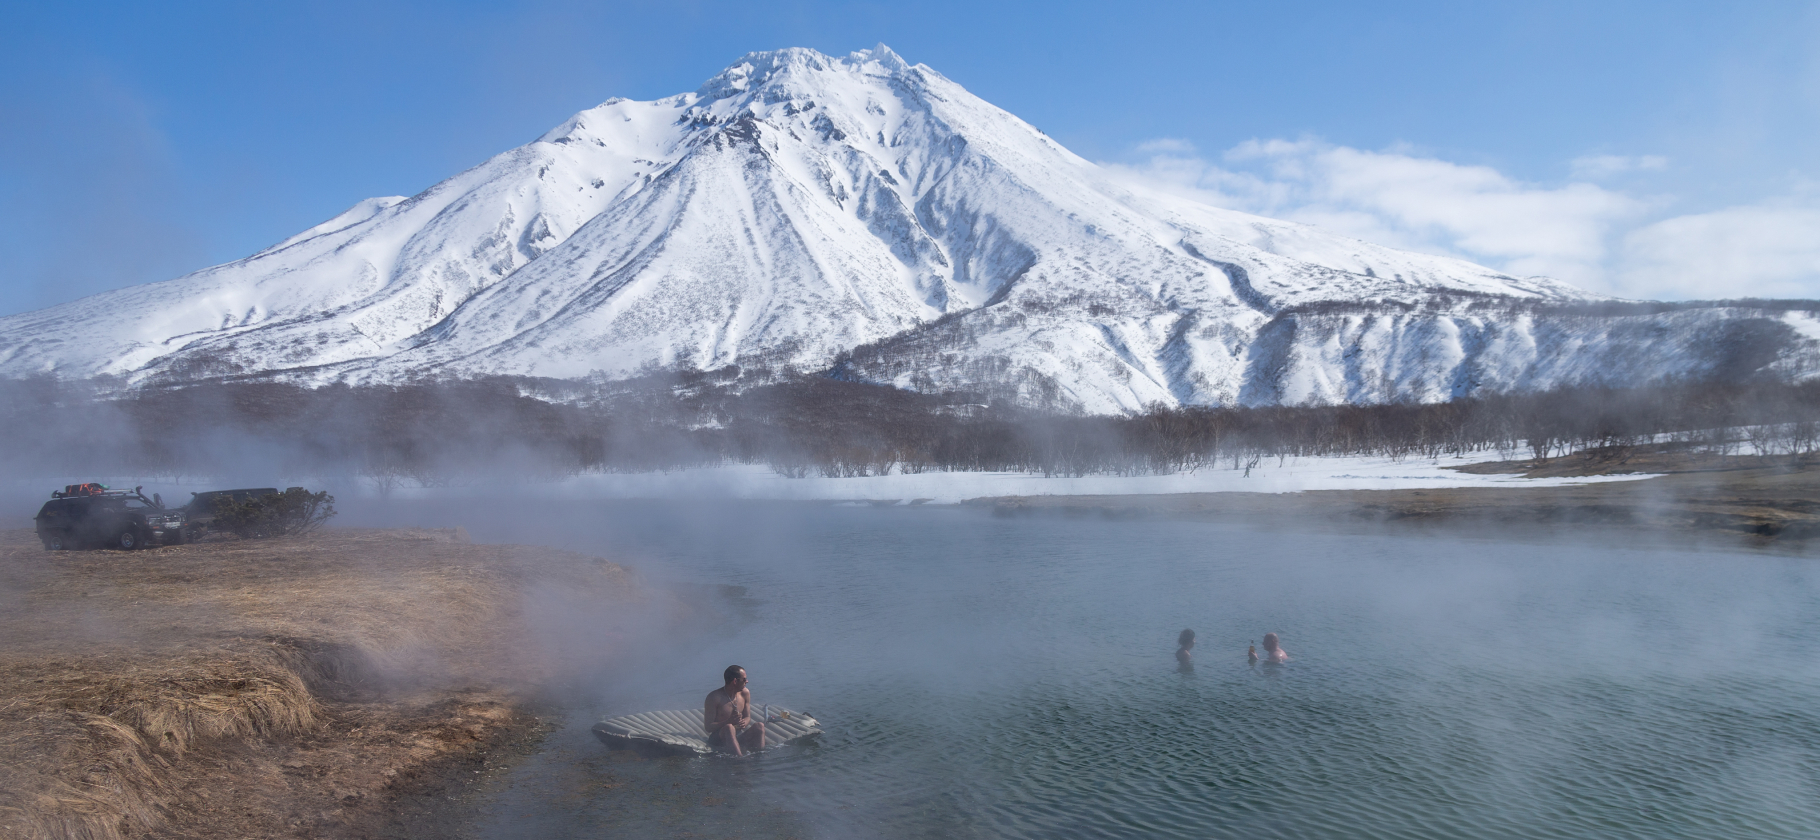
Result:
{"points": [[858, 214]]}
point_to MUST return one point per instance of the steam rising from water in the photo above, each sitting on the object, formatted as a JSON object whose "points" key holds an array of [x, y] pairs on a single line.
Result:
{"points": [[991, 677]]}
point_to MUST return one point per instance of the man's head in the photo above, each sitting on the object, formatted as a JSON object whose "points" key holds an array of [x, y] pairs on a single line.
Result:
{"points": [[1270, 641], [734, 674], [1186, 639]]}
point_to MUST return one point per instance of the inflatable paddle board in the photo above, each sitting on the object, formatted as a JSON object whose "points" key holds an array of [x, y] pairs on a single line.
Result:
{"points": [[679, 731]]}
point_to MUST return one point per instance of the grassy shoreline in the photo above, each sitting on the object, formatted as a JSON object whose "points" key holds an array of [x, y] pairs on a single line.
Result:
{"points": [[284, 688]]}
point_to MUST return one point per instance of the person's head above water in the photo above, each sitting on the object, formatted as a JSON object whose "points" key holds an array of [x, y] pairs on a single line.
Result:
{"points": [[1186, 639], [1270, 641], [733, 674]]}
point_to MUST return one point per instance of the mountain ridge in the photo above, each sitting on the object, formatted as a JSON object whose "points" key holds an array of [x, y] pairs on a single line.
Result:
{"points": [[798, 207]]}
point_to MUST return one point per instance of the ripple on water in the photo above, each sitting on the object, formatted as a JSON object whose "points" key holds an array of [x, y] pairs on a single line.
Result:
{"points": [[1012, 678]]}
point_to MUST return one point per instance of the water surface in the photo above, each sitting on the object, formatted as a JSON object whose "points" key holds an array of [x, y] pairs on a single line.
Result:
{"points": [[993, 677]]}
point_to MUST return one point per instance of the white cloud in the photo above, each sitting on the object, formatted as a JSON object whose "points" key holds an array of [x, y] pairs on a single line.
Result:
{"points": [[1764, 250], [1404, 200], [1590, 235], [1598, 167]]}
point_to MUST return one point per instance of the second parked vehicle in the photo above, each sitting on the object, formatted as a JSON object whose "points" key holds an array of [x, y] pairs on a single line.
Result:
{"points": [[199, 514]]}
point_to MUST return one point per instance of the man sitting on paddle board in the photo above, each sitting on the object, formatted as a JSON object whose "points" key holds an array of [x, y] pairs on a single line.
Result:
{"points": [[727, 715]]}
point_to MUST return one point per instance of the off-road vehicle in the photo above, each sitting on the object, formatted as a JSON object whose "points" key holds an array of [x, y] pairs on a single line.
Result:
{"points": [[92, 515], [199, 514]]}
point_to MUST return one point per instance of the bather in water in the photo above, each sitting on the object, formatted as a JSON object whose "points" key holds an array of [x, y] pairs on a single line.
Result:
{"points": [[1273, 650]]}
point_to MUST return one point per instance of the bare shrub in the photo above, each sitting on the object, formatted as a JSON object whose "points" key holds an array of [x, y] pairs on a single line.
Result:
{"points": [[295, 511]]}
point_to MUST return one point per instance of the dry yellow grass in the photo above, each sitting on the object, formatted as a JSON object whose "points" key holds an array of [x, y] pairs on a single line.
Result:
{"points": [[277, 688]]}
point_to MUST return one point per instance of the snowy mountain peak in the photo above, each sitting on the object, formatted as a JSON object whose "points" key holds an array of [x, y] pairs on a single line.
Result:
{"points": [[798, 70], [856, 214], [882, 55]]}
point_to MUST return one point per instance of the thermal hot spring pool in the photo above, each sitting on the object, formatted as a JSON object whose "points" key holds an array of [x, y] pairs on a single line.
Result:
{"points": [[994, 677]]}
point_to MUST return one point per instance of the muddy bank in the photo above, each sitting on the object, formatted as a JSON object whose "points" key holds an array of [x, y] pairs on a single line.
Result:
{"points": [[1761, 502], [286, 688]]}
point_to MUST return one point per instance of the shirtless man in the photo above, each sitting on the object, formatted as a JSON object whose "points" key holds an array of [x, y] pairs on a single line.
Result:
{"points": [[1184, 653], [727, 715], [1272, 651]]}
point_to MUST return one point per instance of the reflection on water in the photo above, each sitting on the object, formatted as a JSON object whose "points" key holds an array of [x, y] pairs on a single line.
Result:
{"points": [[1015, 677], [576, 788]]}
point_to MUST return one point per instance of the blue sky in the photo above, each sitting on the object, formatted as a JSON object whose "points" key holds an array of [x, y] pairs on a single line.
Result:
{"points": [[1648, 149]]}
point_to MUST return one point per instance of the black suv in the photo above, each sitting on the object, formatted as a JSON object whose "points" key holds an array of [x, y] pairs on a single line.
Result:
{"points": [[89, 515], [199, 514]]}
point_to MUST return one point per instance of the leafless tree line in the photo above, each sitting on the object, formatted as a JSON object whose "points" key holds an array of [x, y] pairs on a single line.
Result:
{"points": [[435, 432]]}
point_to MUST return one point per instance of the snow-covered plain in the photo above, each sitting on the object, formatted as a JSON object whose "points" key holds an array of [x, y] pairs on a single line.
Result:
{"points": [[761, 482], [871, 217]]}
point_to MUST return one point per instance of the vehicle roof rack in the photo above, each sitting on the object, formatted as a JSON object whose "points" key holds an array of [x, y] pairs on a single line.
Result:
{"points": [[93, 489]]}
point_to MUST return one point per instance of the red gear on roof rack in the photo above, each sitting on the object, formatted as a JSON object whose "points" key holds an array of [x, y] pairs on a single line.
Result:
{"points": [[93, 488]]}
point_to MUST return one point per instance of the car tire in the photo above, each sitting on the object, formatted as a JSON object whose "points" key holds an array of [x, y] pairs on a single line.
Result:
{"points": [[55, 543], [128, 539]]}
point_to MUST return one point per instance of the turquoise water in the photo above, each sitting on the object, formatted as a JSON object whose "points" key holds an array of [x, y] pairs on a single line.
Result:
{"points": [[990, 677]]}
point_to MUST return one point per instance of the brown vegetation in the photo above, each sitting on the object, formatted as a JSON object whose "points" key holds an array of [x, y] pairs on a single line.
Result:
{"points": [[1648, 459], [1698, 497], [276, 688]]}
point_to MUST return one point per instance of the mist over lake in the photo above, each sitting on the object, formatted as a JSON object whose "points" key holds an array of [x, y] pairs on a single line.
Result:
{"points": [[988, 676]]}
